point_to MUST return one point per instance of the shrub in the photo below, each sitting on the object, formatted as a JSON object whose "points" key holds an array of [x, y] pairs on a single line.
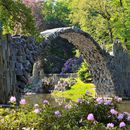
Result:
{"points": [[87, 114], [83, 73], [64, 84], [72, 65]]}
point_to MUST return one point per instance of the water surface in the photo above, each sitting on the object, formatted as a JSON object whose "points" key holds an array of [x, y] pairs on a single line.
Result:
{"points": [[124, 106], [38, 99]]}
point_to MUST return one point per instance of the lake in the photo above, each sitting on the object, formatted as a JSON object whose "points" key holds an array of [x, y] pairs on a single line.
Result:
{"points": [[124, 106]]}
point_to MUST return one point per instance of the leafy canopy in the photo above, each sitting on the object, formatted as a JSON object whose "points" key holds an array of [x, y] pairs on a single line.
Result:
{"points": [[16, 17], [105, 20], [56, 11]]}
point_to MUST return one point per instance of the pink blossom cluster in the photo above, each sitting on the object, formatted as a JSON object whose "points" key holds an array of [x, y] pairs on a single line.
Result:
{"points": [[12, 99], [23, 102]]}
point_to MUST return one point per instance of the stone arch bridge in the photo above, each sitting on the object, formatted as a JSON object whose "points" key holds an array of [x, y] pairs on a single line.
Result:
{"points": [[111, 73]]}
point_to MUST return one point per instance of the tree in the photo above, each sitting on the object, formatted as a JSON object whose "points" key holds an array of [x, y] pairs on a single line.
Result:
{"points": [[16, 17], [56, 13], [105, 20]]}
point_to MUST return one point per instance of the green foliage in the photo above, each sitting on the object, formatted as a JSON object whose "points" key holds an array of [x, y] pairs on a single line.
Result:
{"points": [[16, 18], [55, 54], [77, 53], [76, 91], [83, 73], [104, 20], [56, 11], [70, 117]]}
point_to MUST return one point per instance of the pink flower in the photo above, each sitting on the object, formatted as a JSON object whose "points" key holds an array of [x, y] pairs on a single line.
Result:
{"points": [[118, 99], [90, 117], [110, 125], [12, 99], [45, 102], [37, 110], [128, 118], [126, 113], [122, 124], [108, 102], [68, 106], [99, 100], [113, 112], [23, 102], [57, 113]]}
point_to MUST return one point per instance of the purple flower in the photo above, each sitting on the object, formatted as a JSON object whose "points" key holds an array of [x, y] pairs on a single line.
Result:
{"points": [[99, 100], [45, 102], [120, 116], [88, 93], [110, 125], [108, 102], [12, 99], [90, 117], [79, 100], [23, 102], [128, 118], [57, 114], [37, 110], [113, 112], [122, 124], [62, 73]]}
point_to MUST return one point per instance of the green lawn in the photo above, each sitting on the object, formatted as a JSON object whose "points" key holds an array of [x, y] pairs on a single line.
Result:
{"points": [[76, 91]]}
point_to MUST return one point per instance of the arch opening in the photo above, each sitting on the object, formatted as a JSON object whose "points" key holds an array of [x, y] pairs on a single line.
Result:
{"points": [[97, 58], [110, 72]]}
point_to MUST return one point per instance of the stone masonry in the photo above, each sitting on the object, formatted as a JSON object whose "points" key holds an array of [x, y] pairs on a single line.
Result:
{"points": [[111, 73]]}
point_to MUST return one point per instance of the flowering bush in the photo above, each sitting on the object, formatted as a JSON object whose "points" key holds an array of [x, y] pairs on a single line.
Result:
{"points": [[87, 114], [72, 65], [62, 85]]}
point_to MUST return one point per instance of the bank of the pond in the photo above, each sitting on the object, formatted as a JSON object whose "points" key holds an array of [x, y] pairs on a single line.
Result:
{"points": [[58, 98], [76, 91], [58, 101]]}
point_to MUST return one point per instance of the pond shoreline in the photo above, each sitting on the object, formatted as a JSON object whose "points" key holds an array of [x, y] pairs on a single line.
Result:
{"points": [[35, 98]]}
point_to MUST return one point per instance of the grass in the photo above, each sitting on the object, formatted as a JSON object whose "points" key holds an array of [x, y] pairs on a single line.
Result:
{"points": [[76, 91]]}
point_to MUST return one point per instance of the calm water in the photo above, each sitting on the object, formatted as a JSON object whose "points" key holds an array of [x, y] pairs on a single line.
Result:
{"points": [[125, 106], [38, 98]]}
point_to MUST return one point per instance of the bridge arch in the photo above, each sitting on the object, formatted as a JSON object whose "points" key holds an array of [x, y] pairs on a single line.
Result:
{"points": [[111, 73], [96, 57]]}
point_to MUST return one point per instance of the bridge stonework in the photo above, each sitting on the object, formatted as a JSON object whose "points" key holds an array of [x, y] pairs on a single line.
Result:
{"points": [[111, 73]]}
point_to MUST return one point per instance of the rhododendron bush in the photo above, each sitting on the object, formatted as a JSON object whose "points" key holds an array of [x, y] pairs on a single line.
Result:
{"points": [[87, 114]]}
